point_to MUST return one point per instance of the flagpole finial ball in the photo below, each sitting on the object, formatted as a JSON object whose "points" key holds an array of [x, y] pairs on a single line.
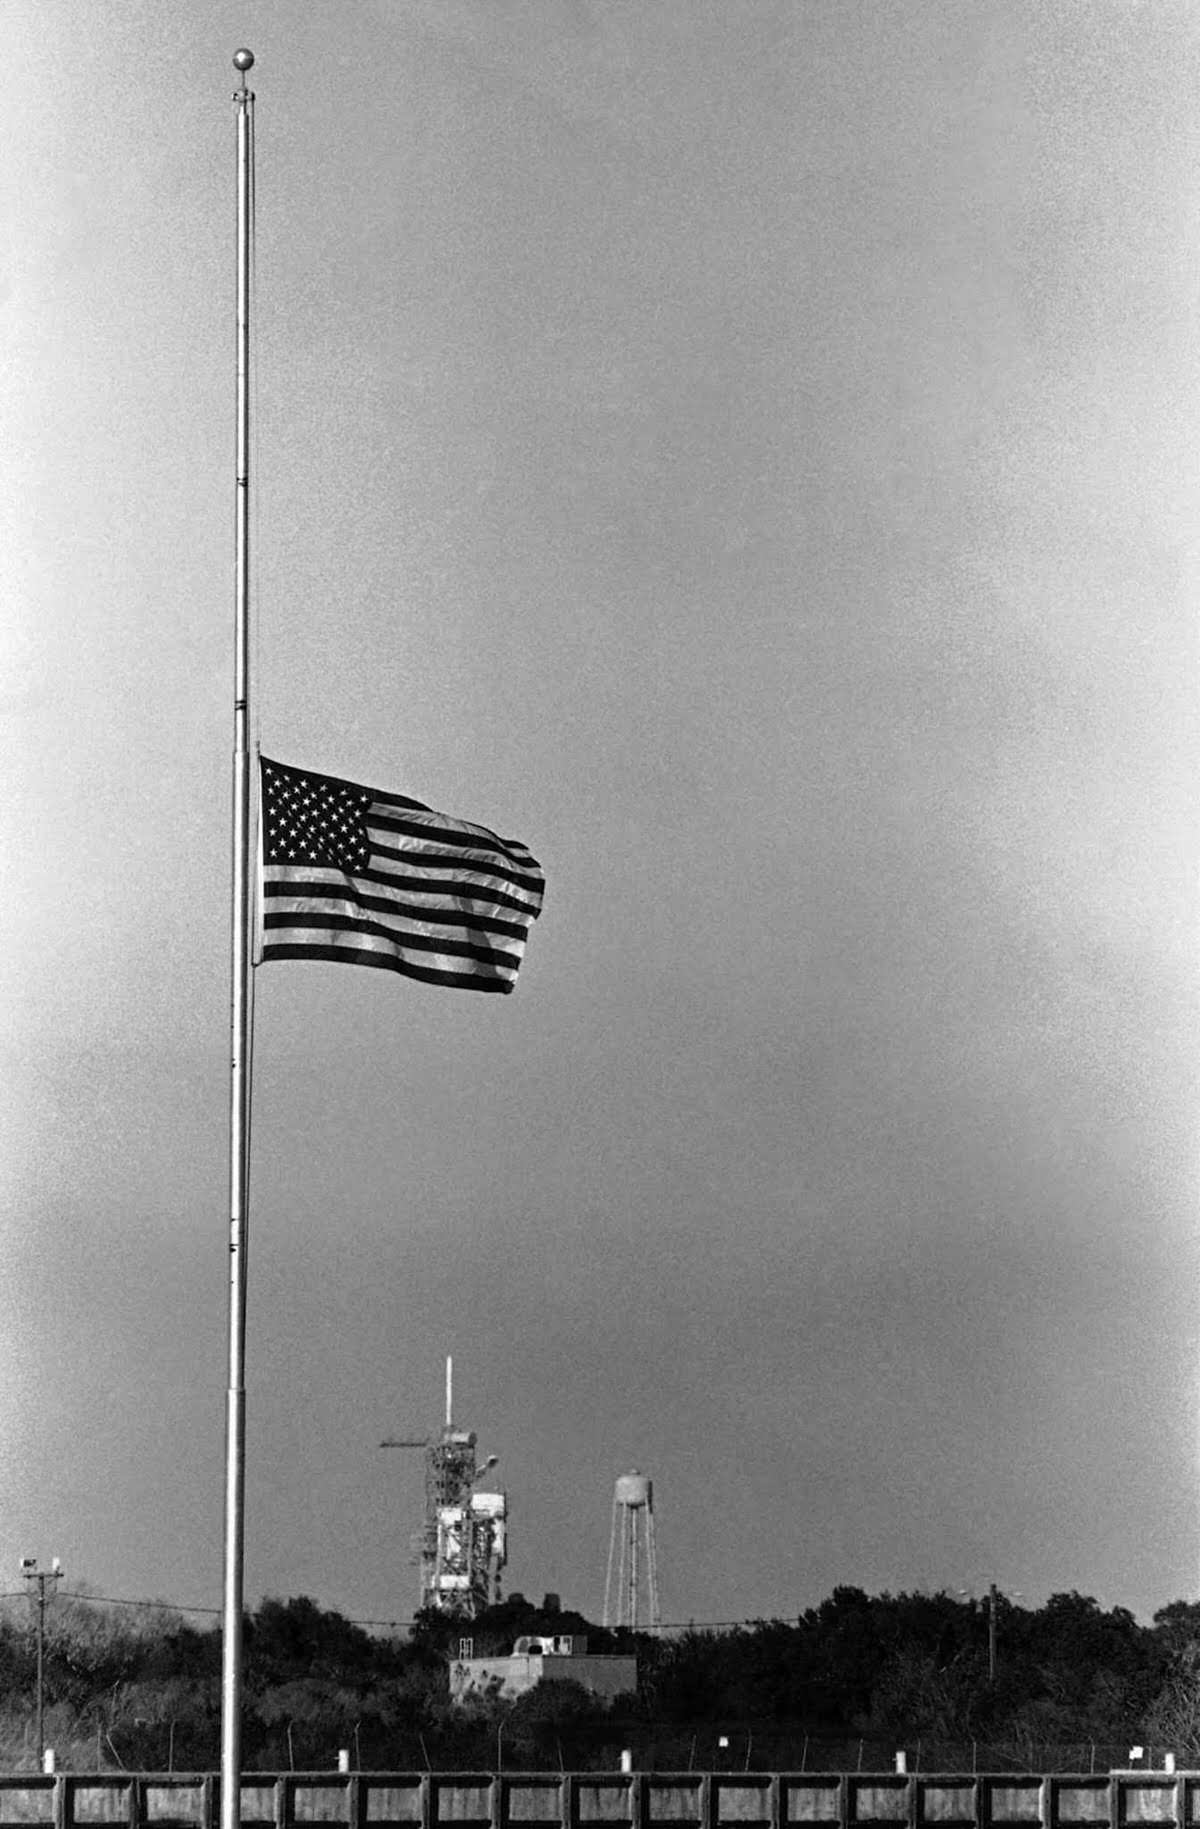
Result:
{"points": [[243, 60]]}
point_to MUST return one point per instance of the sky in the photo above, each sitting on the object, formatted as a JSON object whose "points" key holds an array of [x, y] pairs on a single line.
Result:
{"points": [[747, 450]]}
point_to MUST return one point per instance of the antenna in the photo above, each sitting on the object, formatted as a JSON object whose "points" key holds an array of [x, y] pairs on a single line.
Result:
{"points": [[449, 1391]]}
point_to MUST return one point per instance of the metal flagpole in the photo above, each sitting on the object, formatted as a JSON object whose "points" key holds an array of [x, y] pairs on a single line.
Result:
{"points": [[240, 1004]]}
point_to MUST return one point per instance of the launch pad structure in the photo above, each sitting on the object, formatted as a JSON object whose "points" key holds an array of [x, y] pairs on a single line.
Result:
{"points": [[464, 1540]]}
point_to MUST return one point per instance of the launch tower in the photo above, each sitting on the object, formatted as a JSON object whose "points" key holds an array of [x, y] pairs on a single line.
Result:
{"points": [[464, 1540]]}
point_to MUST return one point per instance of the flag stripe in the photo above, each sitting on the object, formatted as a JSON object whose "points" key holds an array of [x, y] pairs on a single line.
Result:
{"points": [[414, 856], [356, 876], [356, 955], [459, 960], [336, 891], [437, 831], [317, 920], [479, 892]]}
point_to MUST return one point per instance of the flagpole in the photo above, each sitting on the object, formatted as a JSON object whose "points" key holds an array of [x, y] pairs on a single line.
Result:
{"points": [[240, 1002]]}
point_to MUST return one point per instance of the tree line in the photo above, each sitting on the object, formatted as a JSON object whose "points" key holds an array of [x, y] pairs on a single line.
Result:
{"points": [[840, 1685]]}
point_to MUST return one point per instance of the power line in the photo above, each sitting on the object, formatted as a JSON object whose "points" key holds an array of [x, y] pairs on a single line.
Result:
{"points": [[115, 1600], [176, 1606]]}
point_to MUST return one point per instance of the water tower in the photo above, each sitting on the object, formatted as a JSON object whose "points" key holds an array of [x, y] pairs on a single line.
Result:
{"points": [[633, 1531]]}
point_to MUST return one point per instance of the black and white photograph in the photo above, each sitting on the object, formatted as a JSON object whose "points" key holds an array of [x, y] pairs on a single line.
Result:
{"points": [[682, 517]]}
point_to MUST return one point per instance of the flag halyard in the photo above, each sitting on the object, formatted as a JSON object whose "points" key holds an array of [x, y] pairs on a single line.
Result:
{"points": [[365, 877]]}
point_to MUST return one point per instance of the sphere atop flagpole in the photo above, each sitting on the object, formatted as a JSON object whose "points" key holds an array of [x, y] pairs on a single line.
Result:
{"points": [[243, 60]]}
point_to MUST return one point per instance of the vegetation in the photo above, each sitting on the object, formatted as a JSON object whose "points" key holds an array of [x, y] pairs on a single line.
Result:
{"points": [[842, 1685]]}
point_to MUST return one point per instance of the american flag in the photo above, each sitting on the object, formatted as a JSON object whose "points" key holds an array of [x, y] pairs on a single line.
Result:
{"points": [[369, 878]]}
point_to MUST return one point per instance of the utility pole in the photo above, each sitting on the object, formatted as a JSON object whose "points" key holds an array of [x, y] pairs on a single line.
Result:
{"points": [[34, 1575]]}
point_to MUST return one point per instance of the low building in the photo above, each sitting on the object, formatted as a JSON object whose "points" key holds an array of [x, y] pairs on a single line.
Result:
{"points": [[565, 1658]]}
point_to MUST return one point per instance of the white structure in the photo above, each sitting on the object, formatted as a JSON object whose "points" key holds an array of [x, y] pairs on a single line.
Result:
{"points": [[631, 1548], [470, 1545], [541, 1660]]}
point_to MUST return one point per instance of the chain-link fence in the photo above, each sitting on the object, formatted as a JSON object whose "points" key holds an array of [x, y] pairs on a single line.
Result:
{"points": [[653, 1747], [506, 1744], [755, 1749]]}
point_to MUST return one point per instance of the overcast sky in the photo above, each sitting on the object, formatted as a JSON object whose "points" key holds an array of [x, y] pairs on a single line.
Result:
{"points": [[747, 450]]}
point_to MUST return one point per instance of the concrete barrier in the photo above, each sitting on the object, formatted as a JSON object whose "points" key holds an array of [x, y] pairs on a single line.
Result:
{"points": [[612, 1800]]}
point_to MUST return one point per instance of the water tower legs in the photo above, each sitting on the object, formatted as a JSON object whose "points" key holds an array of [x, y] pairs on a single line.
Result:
{"points": [[633, 1500]]}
